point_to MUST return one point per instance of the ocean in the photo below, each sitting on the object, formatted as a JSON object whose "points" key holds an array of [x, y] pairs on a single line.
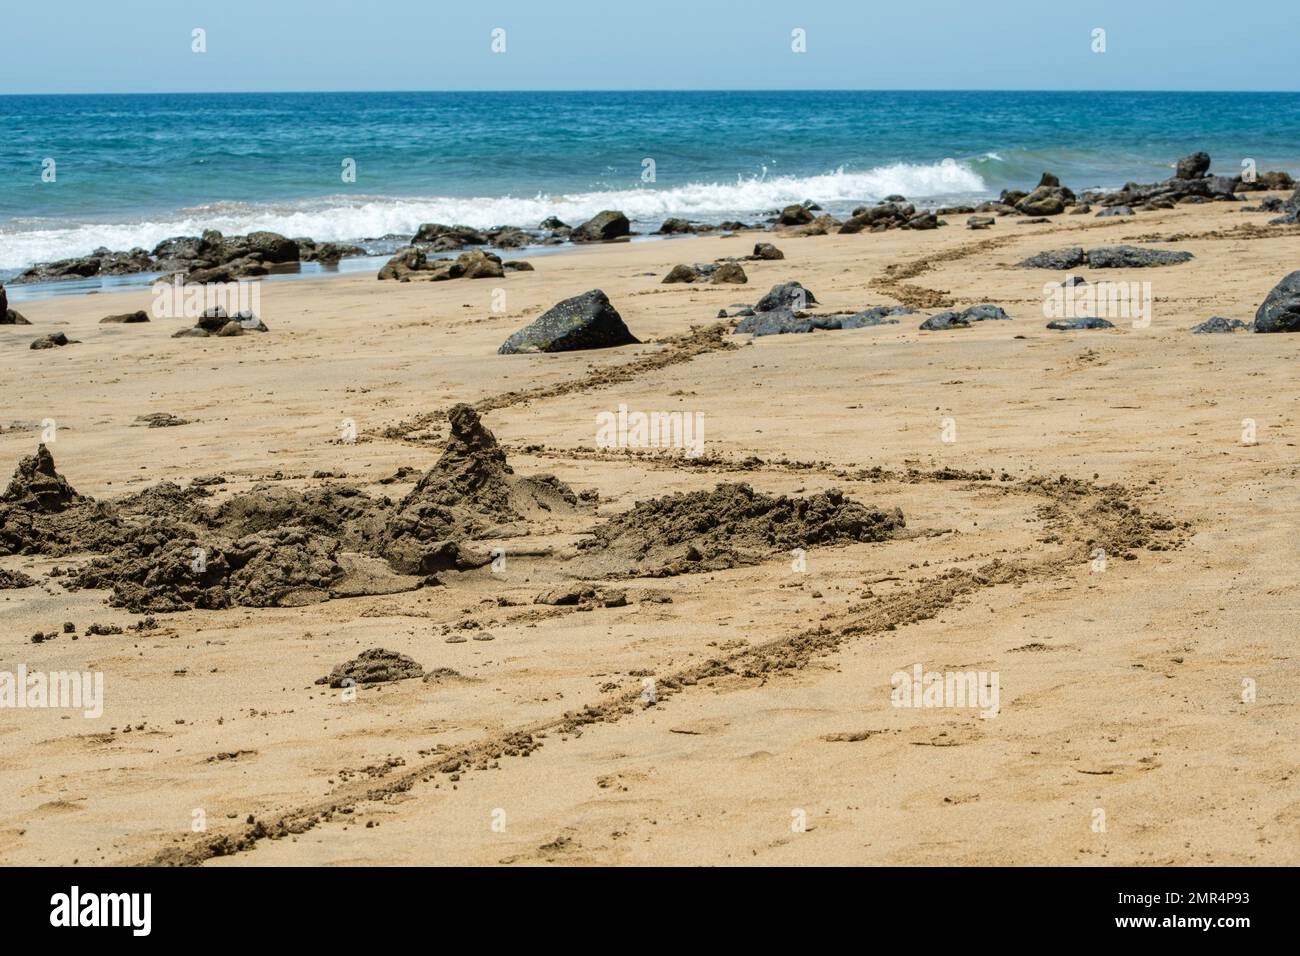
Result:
{"points": [[130, 170]]}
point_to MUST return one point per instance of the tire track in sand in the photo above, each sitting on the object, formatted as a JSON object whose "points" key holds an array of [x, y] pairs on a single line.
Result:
{"points": [[1084, 516]]}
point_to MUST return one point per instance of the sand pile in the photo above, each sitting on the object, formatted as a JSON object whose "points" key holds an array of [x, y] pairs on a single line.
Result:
{"points": [[287, 567], [36, 486], [728, 526], [41, 513], [373, 666], [164, 549], [472, 492], [338, 511], [10, 580]]}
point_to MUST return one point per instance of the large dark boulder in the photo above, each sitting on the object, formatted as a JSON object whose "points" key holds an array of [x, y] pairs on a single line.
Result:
{"points": [[272, 247], [404, 265], [729, 272], [447, 238], [1043, 201], [673, 227], [1192, 167], [602, 227], [1280, 310], [680, 273], [794, 215], [765, 250], [786, 295], [586, 321]]}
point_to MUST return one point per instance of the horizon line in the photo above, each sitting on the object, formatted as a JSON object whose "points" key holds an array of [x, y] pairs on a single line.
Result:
{"points": [[297, 92]]}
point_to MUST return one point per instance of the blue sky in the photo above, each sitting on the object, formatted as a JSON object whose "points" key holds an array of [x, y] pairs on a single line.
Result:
{"points": [[93, 46]]}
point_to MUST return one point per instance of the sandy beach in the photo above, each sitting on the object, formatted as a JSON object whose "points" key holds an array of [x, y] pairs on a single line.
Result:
{"points": [[732, 714]]}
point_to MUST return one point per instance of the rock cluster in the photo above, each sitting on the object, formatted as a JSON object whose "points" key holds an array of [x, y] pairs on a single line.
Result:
{"points": [[210, 257], [1191, 183], [215, 321], [413, 263], [1105, 257], [722, 271], [898, 214]]}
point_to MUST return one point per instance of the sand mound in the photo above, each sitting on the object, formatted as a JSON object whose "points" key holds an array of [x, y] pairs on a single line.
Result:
{"points": [[374, 666], [471, 492], [729, 526], [36, 486], [40, 513], [163, 549], [349, 515], [10, 580], [287, 567]]}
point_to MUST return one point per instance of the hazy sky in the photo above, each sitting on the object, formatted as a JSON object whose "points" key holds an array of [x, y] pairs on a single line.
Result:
{"points": [[94, 46]]}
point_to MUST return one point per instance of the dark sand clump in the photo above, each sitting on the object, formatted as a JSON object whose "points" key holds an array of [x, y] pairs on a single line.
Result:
{"points": [[36, 486], [165, 549], [726, 527], [373, 666], [339, 511], [12, 580], [471, 492], [287, 567]]}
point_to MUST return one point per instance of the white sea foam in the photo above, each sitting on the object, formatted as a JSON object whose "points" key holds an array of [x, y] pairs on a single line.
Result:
{"points": [[337, 218]]}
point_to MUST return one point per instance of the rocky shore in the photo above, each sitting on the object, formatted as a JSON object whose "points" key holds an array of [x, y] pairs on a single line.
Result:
{"points": [[214, 257]]}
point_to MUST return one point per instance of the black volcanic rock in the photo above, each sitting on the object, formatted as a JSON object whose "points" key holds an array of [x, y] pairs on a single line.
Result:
{"points": [[1280, 310], [586, 321], [602, 227]]}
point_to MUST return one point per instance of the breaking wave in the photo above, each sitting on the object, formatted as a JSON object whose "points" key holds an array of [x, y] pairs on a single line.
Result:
{"points": [[340, 218]]}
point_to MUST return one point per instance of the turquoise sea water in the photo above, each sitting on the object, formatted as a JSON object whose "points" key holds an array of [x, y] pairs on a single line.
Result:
{"points": [[133, 169]]}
